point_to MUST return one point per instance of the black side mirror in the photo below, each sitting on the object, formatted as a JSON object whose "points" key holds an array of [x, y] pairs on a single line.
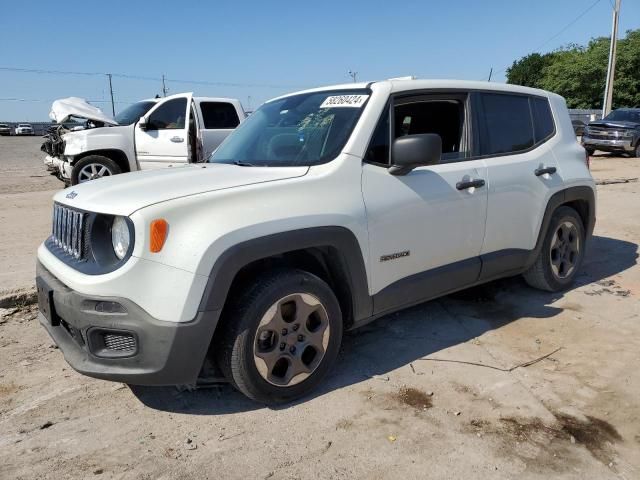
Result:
{"points": [[413, 151], [142, 123]]}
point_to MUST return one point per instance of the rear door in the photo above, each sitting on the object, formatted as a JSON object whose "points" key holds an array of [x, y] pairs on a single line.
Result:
{"points": [[218, 120], [514, 132], [164, 142]]}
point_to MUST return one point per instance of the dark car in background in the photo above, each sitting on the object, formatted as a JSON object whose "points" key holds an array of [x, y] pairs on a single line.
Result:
{"points": [[618, 132], [5, 129]]}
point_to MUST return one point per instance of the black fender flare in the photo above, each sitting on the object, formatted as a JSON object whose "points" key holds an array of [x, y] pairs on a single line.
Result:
{"points": [[341, 239], [562, 197]]}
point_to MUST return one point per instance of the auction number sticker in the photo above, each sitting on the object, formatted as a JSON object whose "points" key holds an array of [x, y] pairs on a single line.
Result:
{"points": [[353, 101]]}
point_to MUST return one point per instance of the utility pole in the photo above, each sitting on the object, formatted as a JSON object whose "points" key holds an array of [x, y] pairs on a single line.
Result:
{"points": [[353, 75], [164, 87], [490, 73], [113, 107], [611, 68]]}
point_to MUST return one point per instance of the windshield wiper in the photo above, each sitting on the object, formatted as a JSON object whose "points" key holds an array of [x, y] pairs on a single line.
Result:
{"points": [[240, 163]]}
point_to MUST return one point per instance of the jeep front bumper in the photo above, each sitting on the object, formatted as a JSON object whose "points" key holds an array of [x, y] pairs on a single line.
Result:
{"points": [[114, 339]]}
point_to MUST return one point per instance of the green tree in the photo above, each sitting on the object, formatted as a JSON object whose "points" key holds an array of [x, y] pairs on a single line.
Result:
{"points": [[578, 73], [528, 71]]}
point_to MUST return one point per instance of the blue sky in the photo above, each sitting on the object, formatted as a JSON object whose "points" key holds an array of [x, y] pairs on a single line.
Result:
{"points": [[271, 47]]}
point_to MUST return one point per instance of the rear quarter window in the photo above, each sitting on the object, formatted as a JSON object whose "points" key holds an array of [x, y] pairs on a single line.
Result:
{"points": [[219, 115], [543, 125]]}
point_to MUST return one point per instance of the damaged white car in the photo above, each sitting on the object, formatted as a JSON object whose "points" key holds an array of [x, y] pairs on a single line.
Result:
{"points": [[154, 133]]}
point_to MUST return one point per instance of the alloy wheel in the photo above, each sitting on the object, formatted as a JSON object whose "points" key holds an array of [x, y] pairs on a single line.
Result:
{"points": [[291, 339], [565, 250], [91, 171]]}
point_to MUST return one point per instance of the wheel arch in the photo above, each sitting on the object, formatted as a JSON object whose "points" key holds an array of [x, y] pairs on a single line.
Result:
{"points": [[114, 154], [331, 253], [582, 199]]}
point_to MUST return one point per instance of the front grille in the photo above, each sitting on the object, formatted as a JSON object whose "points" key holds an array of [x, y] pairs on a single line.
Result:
{"points": [[119, 342], [68, 230], [605, 134]]}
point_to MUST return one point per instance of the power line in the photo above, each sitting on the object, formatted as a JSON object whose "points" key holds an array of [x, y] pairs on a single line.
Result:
{"points": [[231, 84], [147, 78], [569, 25], [36, 100], [565, 28]]}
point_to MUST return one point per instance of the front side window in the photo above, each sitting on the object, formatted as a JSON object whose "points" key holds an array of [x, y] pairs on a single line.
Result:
{"points": [[169, 116], [219, 115], [132, 113], [507, 124], [299, 130], [442, 116], [378, 151]]}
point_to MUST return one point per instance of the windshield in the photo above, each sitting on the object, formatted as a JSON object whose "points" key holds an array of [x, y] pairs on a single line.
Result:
{"points": [[300, 130], [133, 113], [624, 116]]}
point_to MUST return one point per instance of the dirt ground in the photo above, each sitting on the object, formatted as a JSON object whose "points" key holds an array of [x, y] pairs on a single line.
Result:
{"points": [[26, 189], [430, 392]]}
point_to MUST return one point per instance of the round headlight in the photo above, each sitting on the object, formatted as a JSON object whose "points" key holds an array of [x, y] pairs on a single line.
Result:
{"points": [[120, 237]]}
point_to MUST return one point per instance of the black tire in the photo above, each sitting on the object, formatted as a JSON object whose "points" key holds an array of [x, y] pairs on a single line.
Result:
{"points": [[79, 169], [590, 150], [544, 274], [235, 347], [636, 152]]}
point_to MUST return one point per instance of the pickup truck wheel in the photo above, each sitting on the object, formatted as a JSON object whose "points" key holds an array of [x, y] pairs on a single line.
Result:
{"points": [[636, 152], [562, 252], [590, 150], [92, 167], [281, 336]]}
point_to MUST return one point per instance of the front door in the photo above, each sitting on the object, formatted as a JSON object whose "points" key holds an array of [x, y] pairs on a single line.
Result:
{"points": [[165, 141], [425, 228]]}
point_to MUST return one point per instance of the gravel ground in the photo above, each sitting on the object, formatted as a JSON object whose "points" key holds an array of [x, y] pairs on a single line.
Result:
{"points": [[400, 403]]}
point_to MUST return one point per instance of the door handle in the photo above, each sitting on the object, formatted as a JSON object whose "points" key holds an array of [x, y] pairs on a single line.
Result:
{"points": [[543, 170], [177, 139], [470, 183]]}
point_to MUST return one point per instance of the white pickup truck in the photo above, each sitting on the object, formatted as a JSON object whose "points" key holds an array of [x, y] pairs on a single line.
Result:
{"points": [[154, 133]]}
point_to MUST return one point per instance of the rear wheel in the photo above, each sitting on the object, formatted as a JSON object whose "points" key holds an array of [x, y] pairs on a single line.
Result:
{"points": [[562, 252], [280, 336], [92, 167]]}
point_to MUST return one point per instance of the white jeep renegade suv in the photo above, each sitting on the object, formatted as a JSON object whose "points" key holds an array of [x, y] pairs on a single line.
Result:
{"points": [[324, 210]]}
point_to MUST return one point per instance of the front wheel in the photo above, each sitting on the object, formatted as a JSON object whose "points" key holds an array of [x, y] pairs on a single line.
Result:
{"points": [[92, 167], [636, 152], [590, 150], [280, 336], [562, 252]]}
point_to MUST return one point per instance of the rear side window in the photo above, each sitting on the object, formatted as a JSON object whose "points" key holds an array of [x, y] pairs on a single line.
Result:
{"points": [[507, 124], [219, 115], [542, 119]]}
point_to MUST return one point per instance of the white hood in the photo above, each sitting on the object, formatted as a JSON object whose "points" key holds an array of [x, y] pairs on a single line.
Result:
{"points": [[124, 194], [63, 109]]}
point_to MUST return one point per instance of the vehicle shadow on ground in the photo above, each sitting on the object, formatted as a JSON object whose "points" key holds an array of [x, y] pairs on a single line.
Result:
{"points": [[401, 338]]}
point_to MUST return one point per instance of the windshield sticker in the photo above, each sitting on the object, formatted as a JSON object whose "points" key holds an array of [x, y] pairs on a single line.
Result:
{"points": [[353, 101]]}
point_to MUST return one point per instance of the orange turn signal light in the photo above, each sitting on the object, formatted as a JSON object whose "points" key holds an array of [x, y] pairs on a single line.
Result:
{"points": [[159, 229]]}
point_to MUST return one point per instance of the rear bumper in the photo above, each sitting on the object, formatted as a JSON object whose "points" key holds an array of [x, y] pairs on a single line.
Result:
{"points": [[125, 343], [622, 145]]}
